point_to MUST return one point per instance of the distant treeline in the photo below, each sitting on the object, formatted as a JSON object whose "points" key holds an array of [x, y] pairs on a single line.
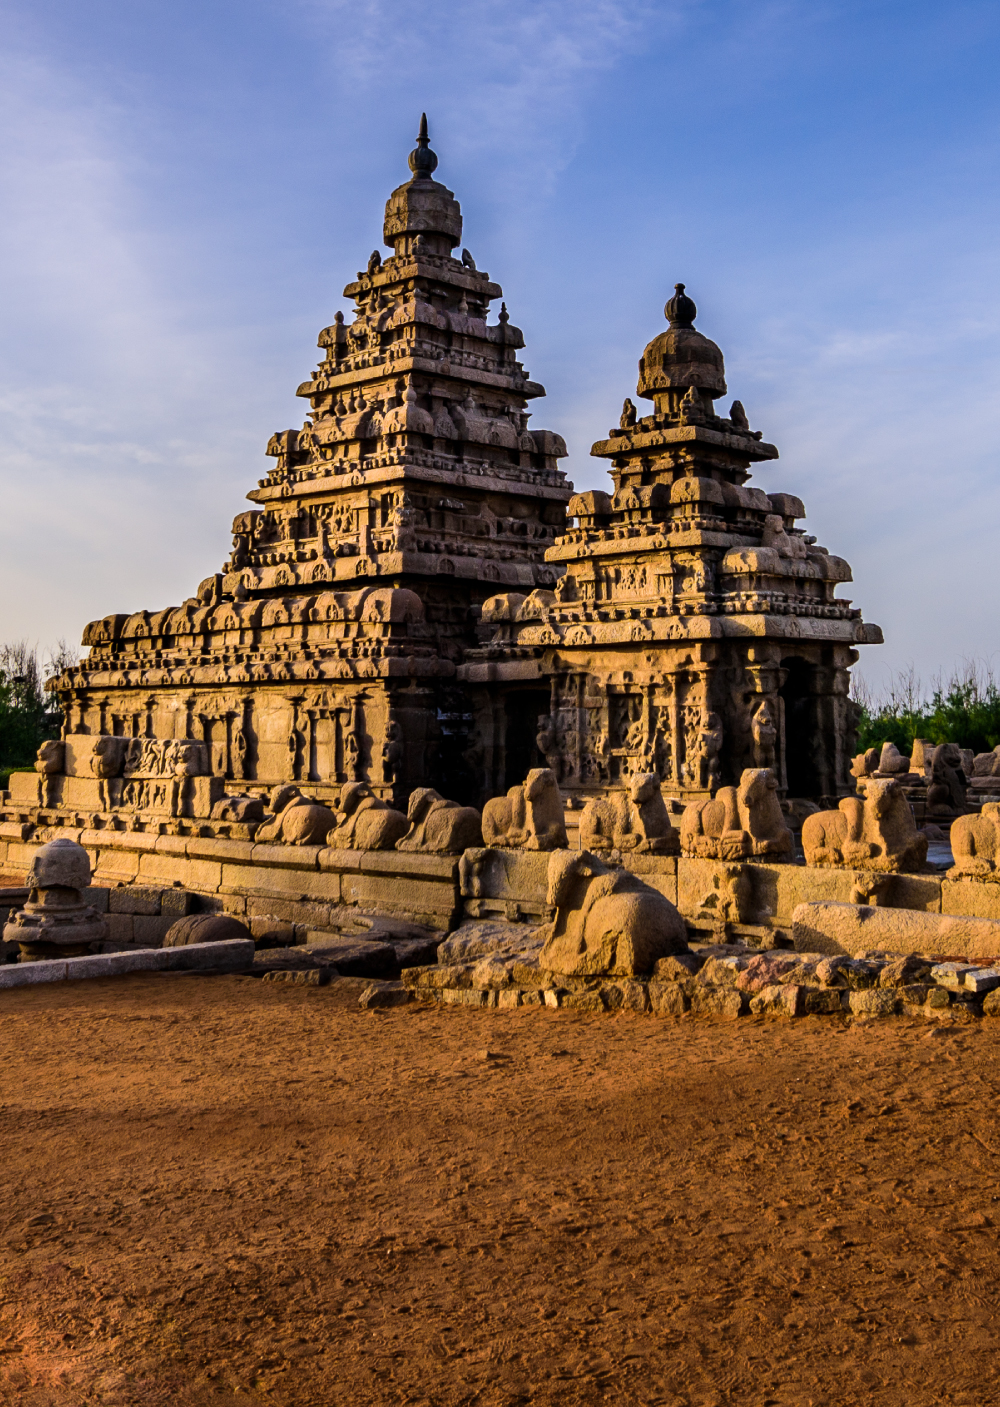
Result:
{"points": [[965, 710], [27, 713]]}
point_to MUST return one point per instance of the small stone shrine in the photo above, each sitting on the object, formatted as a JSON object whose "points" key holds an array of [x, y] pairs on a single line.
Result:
{"points": [[325, 650], [696, 631]]}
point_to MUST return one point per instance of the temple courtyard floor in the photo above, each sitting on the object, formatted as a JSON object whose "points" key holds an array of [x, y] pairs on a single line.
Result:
{"points": [[219, 1191]]}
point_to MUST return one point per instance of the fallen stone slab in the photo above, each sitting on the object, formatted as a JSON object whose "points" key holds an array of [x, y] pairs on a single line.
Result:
{"points": [[230, 955], [352, 957], [828, 927], [384, 994], [488, 938]]}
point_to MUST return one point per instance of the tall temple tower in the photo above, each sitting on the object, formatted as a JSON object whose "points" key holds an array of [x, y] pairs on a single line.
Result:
{"points": [[696, 631], [326, 649]]}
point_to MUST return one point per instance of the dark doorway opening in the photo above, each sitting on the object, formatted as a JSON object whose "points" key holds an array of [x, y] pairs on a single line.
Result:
{"points": [[803, 745], [523, 709]]}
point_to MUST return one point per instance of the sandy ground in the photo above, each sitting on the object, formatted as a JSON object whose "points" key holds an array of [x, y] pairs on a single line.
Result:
{"points": [[221, 1191]]}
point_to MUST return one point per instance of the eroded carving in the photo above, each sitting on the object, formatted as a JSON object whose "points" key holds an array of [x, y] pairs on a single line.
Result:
{"points": [[739, 822], [529, 817], [636, 820], [875, 832], [440, 827]]}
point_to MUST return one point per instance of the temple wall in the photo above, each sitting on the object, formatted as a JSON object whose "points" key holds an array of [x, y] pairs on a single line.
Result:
{"points": [[304, 884]]}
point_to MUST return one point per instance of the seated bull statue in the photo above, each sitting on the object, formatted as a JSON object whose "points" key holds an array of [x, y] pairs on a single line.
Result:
{"points": [[891, 762], [876, 832], [295, 820], [529, 817], [244, 809], [50, 758], [439, 827], [363, 822], [739, 822], [635, 820], [607, 922], [975, 842]]}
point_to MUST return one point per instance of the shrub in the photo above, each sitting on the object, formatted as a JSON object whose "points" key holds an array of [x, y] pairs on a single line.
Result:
{"points": [[965, 711]]}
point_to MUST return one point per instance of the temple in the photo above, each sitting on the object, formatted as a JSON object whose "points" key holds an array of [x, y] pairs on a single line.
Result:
{"points": [[695, 630], [325, 650], [407, 604]]}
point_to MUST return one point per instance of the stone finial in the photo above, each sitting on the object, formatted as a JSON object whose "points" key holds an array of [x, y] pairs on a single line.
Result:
{"points": [[422, 160], [680, 310]]}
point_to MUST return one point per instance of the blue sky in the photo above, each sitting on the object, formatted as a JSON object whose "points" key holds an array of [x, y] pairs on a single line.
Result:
{"points": [[188, 187]]}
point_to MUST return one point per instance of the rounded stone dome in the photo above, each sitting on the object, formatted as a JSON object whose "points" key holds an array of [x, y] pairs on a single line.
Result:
{"points": [[681, 356]]}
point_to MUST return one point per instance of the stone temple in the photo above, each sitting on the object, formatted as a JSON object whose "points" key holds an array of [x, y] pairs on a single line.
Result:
{"points": [[408, 605]]}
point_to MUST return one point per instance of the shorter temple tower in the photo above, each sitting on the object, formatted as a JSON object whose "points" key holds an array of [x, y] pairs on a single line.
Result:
{"points": [[696, 630]]}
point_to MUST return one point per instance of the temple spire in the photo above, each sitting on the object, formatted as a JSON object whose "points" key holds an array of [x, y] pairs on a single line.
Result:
{"points": [[422, 160]]}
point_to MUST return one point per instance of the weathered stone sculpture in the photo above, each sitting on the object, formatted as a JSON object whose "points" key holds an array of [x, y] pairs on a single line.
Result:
{"points": [[697, 630], [740, 821], [975, 843], [607, 922], [51, 758], [946, 788], [876, 832], [440, 827], [636, 820], [891, 762], [56, 922], [529, 817], [296, 819], [364, 822]]}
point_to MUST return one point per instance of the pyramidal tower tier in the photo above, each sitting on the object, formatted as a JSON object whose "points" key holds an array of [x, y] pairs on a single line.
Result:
{"points": [[695, 630], [325, 650]]}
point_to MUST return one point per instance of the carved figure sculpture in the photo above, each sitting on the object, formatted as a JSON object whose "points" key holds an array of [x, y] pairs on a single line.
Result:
{"points": [[108, 756], [946, 789], [393, 751], [765, 735], [244, 809], [975, 842], [529, 817], [607, 922], [865, 764], [440, 827], [50, 758], [741, 821], [984, 764], [891, 762], [363, 822], [873, 833], [296, 819], [633, 820]]}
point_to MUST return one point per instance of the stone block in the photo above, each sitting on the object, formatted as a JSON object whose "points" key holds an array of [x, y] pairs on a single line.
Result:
{"points": [[722, 972], [761, 970], [96, 896], [302, 977], [150, 931], [527, 972], [781, 999], [27, 974], [237, 851], [903, 972], [876, 1001], [291, 910], [230, 955], [625, 995], [914, 993], [400, 894], [26, 789], [519, 876], [296, 857], [724, 1003], [991, 1004], [972, 898], [463, 996], [582, 1001], [352, 957], [658, 871], [677, 967], [551, 996], [204, 875], [121, 928], [440, 975], [860, 928], [134, 899], [509, 999], [822, 1002], [488, 938], [270, 884], [339, 861], [384, 994], [177, 902]]}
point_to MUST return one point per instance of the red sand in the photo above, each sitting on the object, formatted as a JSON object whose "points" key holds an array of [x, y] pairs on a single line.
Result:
{"points": [[221, 1191]]}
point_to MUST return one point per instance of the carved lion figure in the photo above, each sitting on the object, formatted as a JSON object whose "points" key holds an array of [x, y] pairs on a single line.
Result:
{"points": [[633, 820], [51, 758], [975, 841], [873, 833], [740, 821], [946, 789], [440, 827], [606, 921], [296, 819], [529, 817], [363, 822]]}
